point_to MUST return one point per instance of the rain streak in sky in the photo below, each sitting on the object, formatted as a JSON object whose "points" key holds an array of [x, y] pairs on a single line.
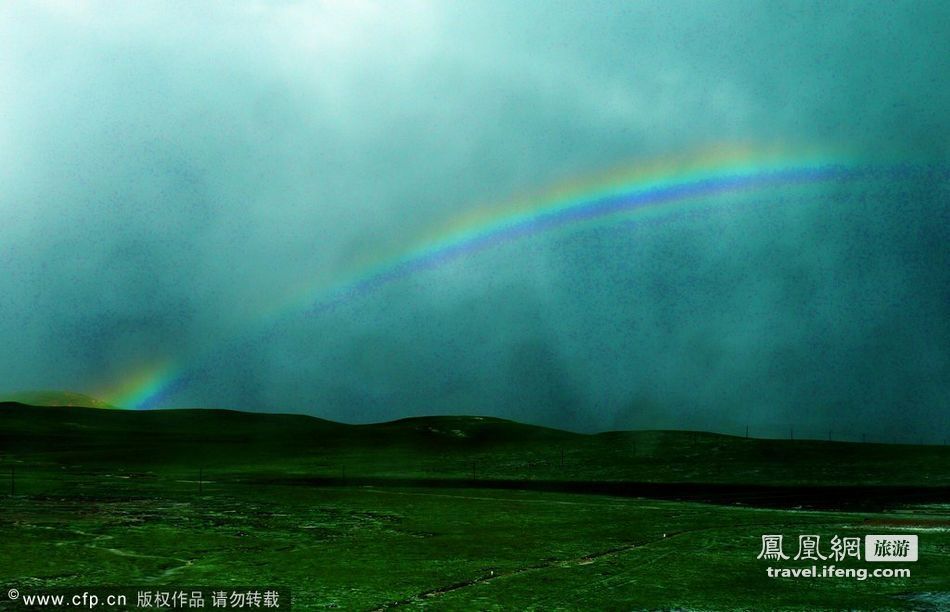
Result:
{"points": [[588, 215]]}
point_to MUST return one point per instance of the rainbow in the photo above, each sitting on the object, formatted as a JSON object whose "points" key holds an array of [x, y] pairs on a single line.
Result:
{"points": [[143, 387], [654, 189], [660, 189]]}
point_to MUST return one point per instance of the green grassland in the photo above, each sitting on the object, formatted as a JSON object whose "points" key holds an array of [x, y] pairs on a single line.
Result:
{"points": [[344, 515]]}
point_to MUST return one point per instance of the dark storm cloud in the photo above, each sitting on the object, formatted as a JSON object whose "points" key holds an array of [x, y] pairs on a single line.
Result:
{"points": [[171, 172]]}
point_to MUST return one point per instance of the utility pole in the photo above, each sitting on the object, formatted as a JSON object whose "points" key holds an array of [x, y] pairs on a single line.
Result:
{"points": [[201, 475]]}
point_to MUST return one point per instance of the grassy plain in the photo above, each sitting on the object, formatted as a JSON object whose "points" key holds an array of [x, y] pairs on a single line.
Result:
{"points": [[344, 517]]}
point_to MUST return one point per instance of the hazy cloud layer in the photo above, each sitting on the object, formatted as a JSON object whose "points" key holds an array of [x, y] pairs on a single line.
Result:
{"points": [[169, 172]]}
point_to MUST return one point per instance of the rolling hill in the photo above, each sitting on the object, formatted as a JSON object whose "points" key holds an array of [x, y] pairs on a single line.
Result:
{"points": [[56, 398], [484, 448]]}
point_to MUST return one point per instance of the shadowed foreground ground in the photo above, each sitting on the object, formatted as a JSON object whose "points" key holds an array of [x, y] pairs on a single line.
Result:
{"points": [[391, 516]]}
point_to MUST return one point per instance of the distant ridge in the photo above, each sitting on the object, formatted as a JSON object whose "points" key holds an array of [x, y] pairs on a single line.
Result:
{"points": [[479, 448], [56, 398]]}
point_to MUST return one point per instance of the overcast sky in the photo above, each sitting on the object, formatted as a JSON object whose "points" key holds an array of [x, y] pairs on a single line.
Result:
{"points": [[172, 173]]}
